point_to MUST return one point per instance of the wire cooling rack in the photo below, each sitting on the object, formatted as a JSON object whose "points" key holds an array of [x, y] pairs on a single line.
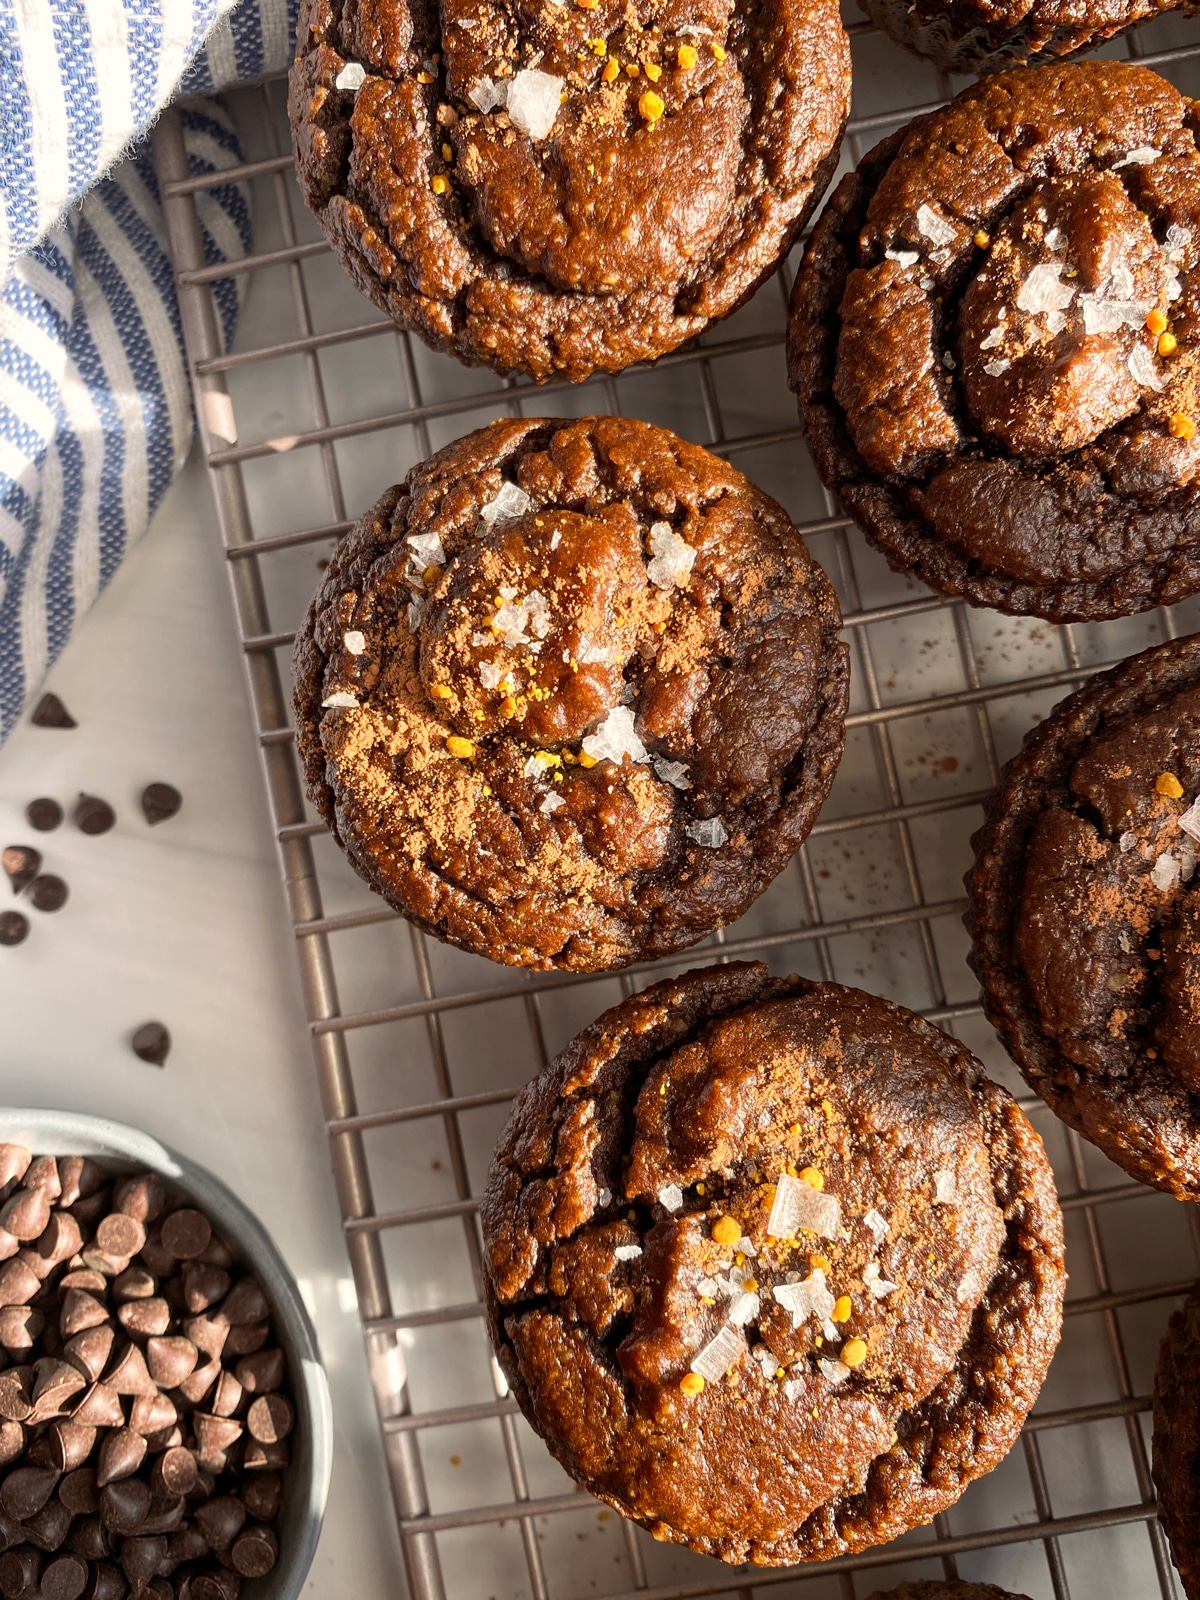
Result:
{"points": [[420, 1048]]}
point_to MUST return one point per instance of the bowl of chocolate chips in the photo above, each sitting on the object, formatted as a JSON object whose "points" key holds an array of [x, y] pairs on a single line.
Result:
{"points": [[165, 1428]]}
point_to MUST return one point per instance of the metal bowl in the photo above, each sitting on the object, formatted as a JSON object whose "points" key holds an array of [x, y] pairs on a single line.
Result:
{"points": [[306, 1483]]}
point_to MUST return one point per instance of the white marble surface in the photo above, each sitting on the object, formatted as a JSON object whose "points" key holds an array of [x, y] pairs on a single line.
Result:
{"points": [[185, 922]]}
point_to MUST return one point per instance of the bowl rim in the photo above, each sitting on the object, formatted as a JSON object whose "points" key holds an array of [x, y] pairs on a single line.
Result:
{"points": [[82, 1133]]}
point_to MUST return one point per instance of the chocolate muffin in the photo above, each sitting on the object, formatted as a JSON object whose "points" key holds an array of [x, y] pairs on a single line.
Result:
{"points": [[967, 36], [772, 1267], [993, 339], [955, 1589], [1084, 911], [562, 188], [1176, 1441], [572, 694]]}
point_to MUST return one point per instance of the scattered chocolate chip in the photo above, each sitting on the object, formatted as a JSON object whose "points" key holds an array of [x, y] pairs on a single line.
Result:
{"points": [[22, 863], [43, 814], [89, 1208], [254, 1552], [26, 1213], [59, 1240], [227, 1396], [65, 1578], [54, 1382], [185, 1233], [48, 1529], [207, 1335], [12, 1442], [263, 1494], [51, 713], [217, 1585], [135, 1283], [171, 1361], [203, 1285], [16, 1393], [20, 1570], [153, 1414], [194, 1387], [151, 1043], [121, 1454], [93, 815], [270, 1418], [145, 1317], [14, 928], [261, 1372], [26, 1489], [80, 1309], [120, 1235], [107, 1583], [42, 1173], [124, 1505], [258, 1457], [100, 1407], [129, 1374], [48, 893], [143, 1197], [14, 1164], [79, 1493], [20, 1326], [141, 1559], [160, 801], [89, 1537], [221, 1520], [175, 1474], [71, 1444]]}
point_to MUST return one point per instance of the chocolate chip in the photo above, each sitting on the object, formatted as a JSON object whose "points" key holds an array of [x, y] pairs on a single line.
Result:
{"points": [[245, 1339], [145, 1317], [22, 863], [89, 1538], [48, 893], [15, 1160], [214, 1435], [59, 1240], [80, 1309], [106, 1583], [51, 713], [215, 1586], [42, 1173], [25, 1214], [12, 1443], [160, 801], [20, 1570], [14, 927], [153, 1414], [185, 1233], [203, 1285], [135, 1283], [270, 1418], [175, 1473], [48, 1528], [83, 1278], [71, 1443], [264, 1457], [164, 1516], [142, 1197], [120, 1234], [151, 1042], [121, 1454], [130, 1374], [227, 1396], [171, 1361], [207, 1334], [89, 1208], [93, 815], [196, 1385], [20, 1326], [221, 1520], [254, 1552], [188, 1544], [263, 1494], [141, 1559], [124, 1505], [54, 1383], [79, 1492], [16, 1393], [64, 1579], [26, 1489], [44, 815], [99, 1408], [261, 1372]]}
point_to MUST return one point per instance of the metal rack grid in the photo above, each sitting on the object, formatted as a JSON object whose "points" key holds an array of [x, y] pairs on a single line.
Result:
{"points": [[419, 1048]]}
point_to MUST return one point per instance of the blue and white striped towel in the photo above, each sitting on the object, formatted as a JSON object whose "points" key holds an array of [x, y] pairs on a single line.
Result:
{"points": [[95, 408]]}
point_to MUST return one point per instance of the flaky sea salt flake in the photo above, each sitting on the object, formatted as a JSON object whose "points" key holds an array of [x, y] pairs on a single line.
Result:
{"points": [[670, 1197], [672, 772], [627, 1252], [903, 258], [1189, 820], [767, 1360], [672, 558], [428, 549], [342, 700], [809, 1298], [1165, 872], [508, 502], [876, 1283], [1055, 239], [596, 655], [615, 738], [745, 1247], [1043, 289], [836, 1372], [1141, 157], [351, 77], [743, 1308], [355, 642], [488, 95], [721, 1352], [533, 102], [490, 674], [1127, 841], [708, 1288], [995, 368], [551, 803], [993, 338], [945, 1188], [416, 612], [936, 229], [1143, 369], [877, 1222], [710, 833], [798, 1205], [604, 1197]]}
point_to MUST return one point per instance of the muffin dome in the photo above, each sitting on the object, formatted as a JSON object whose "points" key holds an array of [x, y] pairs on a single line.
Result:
{"points": [[993, 342], [772, 1267], [572, 694], [558, 188], [1084, 913]]}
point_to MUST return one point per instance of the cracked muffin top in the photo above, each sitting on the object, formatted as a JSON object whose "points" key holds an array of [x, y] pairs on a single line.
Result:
{"points": [[993, 342], [1085, 913], [572, 694], [756, 1247], [560, 186]]}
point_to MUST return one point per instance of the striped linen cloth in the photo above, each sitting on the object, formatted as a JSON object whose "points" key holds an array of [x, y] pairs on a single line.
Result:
{"points": [[95, 405]]}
